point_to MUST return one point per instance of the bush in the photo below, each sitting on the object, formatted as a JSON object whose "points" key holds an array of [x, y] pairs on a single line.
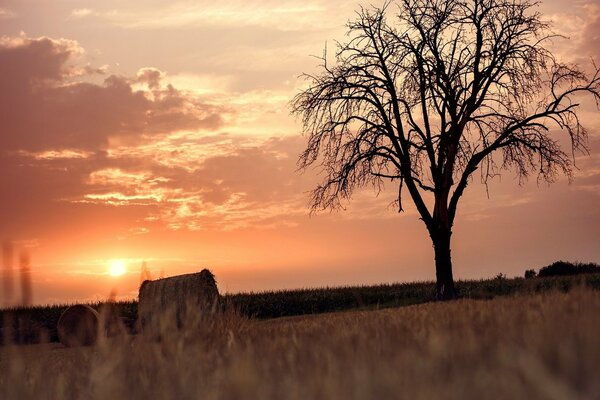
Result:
{"points": [[560, 268], [530, 273]]}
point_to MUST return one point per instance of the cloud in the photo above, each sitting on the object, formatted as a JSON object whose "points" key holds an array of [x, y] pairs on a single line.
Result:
{"points": [[81, 12], [219, 182], [178, 158], [294, 15], [579, 27], [151, 77], [590, 44], [44, 107], [7, 14], [238, 183], [34, 61]]}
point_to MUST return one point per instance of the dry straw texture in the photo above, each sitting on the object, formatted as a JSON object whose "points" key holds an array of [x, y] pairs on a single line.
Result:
{"points": [[176, 297], [78, 326], [526, 347]]}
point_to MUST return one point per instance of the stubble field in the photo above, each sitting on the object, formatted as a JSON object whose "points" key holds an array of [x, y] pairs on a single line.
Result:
{"points": [[543, 346]]}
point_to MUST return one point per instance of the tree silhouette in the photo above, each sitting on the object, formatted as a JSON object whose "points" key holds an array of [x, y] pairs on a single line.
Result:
{"points": [[449, 88]]}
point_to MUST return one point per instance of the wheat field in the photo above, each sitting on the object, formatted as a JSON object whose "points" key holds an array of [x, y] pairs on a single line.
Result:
{"points": [[543, 346]]}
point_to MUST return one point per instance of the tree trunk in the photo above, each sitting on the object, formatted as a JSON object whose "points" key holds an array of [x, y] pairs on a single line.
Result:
{"points": [[443, 266]]}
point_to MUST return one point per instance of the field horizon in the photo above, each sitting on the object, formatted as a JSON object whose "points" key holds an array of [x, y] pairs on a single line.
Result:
{"points": [[37, 324]]}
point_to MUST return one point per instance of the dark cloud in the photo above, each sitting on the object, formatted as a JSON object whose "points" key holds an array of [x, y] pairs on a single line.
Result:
{"points": [[150, 76], [43, 107]]}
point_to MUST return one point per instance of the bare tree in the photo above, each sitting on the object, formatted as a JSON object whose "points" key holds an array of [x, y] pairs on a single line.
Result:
{"points": [[452, 86]]}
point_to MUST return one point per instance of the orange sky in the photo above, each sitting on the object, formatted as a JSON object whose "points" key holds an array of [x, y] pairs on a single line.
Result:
{"points": [[159, 131]]}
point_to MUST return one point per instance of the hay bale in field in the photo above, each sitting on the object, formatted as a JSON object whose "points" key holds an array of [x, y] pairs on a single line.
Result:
{"points": [[78, 326], [181, 295]]}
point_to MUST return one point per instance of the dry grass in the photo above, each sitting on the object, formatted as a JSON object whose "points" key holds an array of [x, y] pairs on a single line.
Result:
{"points": [[526, 347]]}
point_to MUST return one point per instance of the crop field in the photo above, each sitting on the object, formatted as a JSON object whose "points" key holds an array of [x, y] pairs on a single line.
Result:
{"points": [[38, 324], [533, 346]]}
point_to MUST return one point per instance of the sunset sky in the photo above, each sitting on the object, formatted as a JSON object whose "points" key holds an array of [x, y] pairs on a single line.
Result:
{"points": [[160, 131]]}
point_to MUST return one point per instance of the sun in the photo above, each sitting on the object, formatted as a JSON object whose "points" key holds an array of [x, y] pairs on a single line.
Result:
{"points": [[117, 268]]}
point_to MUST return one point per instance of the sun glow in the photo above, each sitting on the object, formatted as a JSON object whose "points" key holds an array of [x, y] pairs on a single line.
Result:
{"points": [[117, 268]]}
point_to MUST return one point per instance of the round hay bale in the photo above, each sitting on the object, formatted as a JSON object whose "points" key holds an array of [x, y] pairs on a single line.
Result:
{"points": [[195, 293], [78, 326]]}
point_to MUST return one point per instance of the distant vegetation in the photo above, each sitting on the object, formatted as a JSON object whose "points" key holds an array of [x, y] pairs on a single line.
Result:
{"points": [[562, 268], [311, 301], [38, 324]]}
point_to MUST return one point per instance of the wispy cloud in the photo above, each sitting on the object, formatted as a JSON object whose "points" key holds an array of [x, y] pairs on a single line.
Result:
{"points": [[224, 183], [81, 12], [292, 15], [57, 154], [7, 14]]}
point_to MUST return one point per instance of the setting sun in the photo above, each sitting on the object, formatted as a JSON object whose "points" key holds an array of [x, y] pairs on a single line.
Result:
{"points": [[117, 268]]}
